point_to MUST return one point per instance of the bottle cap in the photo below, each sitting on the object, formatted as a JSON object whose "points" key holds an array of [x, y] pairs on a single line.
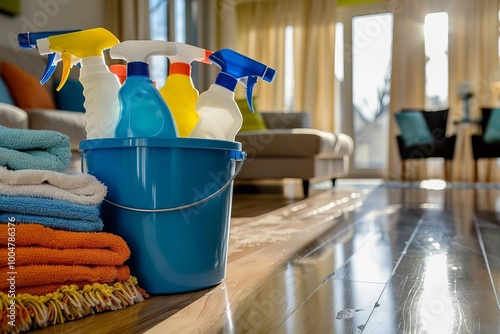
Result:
{"points": [[120, 70]]}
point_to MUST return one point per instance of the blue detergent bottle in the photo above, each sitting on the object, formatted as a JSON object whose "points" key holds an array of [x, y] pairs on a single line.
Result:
{"points": [[143, 111], [220, 117]]}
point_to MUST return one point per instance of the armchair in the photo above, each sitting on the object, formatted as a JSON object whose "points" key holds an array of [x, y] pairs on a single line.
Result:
{"points": [[484, 144], [422, 136]]}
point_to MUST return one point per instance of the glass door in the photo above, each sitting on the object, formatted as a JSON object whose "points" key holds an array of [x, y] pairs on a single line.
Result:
{"points": [[363, 73]]}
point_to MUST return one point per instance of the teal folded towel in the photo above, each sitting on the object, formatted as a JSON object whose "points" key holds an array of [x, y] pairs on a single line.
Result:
{"points": [[34, 149], [48, 207], [52, 222]]}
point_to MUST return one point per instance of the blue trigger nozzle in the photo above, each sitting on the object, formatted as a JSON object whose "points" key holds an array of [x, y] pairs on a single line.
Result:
{"points": [[251, 81], [50, 68]]}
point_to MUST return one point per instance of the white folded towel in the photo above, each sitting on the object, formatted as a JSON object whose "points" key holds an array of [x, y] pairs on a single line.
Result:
{"points": [[77, 188]]}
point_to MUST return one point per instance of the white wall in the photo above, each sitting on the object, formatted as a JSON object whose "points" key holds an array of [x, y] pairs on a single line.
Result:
{"points": [[41, 15]]}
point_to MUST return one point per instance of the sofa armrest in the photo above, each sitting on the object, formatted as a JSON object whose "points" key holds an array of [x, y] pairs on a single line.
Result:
{"points": [[70, 123], [13, 117], [280, 120]]}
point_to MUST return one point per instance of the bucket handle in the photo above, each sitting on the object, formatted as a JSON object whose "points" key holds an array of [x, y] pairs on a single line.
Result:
{"points": [[240, 156]]}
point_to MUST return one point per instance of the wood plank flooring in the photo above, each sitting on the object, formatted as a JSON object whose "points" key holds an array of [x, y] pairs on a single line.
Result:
{"points": [[399, 258]]}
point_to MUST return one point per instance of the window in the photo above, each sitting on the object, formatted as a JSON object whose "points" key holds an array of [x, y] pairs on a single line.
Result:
{"points": [[289, 72], [371, 84], [159, 29], [436, 67]]}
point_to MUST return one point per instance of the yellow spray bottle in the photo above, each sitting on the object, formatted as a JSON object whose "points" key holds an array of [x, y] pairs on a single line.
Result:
{"points": [[100, 86], [179, 91]]}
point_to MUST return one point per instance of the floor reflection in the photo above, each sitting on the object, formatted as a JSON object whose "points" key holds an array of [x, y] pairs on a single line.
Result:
{"points": [[410, 260]]}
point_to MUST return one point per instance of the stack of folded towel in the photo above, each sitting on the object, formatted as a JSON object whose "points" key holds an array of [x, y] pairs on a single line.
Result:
{"points": [[61, 260]]}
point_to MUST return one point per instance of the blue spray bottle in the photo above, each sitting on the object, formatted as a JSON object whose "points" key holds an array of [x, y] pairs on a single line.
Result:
{"points": [[220, 117], [143, 112]]}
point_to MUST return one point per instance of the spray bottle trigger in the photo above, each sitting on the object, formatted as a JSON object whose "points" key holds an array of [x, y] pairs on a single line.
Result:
{"points": [[67, 64], [52, 60], [250, 82]]}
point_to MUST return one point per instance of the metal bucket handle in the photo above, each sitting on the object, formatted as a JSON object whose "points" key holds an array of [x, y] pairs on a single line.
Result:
{"points": [[239, 156]]}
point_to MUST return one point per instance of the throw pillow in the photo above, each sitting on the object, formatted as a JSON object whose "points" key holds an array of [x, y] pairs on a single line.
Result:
{"points": [[70, 97], [251, 121], [413, 128], [492, 132], [4, 93], [25, 88]]}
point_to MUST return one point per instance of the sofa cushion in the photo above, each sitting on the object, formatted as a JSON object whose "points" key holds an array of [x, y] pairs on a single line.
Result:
{"points": [[492, 132], [70, 97], [25, 88], [288, 120], [13, 117], [413, 128], [4, 93], [295, 143], [252, 121]]}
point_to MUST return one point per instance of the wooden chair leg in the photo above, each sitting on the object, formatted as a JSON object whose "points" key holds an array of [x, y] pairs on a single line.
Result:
{"points": [[403, 170], [476, 171], [305, 187], [447, 170]]}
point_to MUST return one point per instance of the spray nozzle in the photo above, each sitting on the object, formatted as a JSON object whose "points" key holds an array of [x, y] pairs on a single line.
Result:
{"points": [[137, 54], [186, 54], [235, 66], [76, 46], [29, 40]]}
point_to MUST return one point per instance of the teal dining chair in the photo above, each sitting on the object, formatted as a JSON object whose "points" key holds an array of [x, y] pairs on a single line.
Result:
{"points": [[422, 136]]}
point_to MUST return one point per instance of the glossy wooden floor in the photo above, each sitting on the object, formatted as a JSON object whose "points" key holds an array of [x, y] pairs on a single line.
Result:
{"points": [[397, 258]]}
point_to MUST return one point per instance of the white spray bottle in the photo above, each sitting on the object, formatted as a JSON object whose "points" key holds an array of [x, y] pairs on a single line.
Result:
{"points": [[100, 86], [220, 117]]}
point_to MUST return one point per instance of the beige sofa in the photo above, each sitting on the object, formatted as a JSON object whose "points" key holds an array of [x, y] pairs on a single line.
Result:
{"points": [[289, 148]]}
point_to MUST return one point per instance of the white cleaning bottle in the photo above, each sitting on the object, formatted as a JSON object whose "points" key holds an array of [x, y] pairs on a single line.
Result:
{"points": [[220, 117], [100, 86]]}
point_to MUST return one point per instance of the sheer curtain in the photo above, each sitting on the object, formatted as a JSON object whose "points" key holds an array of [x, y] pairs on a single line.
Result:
{"points": [[261, 35], [472, 52], [408, 78], [473, 55], [128, 19]]}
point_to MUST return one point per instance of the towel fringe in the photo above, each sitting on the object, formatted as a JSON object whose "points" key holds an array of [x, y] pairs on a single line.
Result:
{"points": [[68, 303]]}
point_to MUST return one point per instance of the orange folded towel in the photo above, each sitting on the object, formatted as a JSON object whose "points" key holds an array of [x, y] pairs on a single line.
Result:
{"points": [[40, 280], [36, 244]]}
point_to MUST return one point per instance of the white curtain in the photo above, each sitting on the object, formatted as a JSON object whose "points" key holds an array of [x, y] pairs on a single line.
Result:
{"points": [[473, 56], [261, 35], [408, 77], [128, 19]]}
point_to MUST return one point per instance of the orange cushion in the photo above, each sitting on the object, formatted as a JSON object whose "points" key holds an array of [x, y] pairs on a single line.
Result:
{"points": [[25, 88]]}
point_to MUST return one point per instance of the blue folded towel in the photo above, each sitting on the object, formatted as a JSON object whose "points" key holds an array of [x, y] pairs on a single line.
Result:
{"points": [[52, 222], [48, 207], [34, 149]]}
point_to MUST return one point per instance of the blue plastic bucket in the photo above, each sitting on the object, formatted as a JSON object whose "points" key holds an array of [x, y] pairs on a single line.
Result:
{"points": [[170, 200]]}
